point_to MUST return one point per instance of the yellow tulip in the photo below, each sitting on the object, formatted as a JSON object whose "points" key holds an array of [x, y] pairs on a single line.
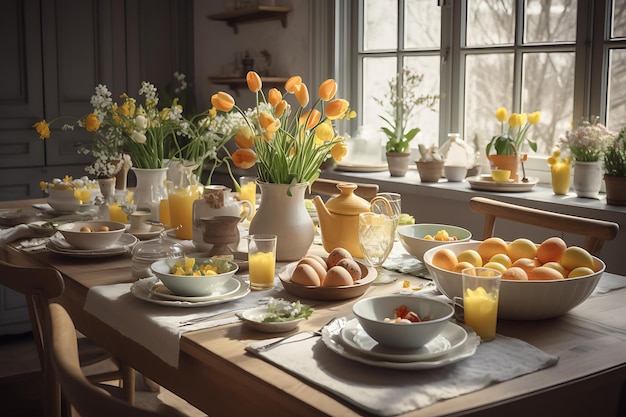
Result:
{"points": [[244, 158], [324, 131], [338, 151], [502, 114], [212, 112], [337, 109], [514, 120], [43, 129], [244, 137], [534, 117], [327, 89], [522, 118], [292, 83], [254, 81], [302, 94], [274, 97], [92, 123], [223, 101]]}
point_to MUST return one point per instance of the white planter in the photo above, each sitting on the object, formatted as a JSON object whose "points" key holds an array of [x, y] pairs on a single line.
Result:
{"points": [[588, 178]]}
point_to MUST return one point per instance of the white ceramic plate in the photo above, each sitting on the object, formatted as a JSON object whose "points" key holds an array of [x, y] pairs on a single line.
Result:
{"points": [[254, 316], [229, 288], [123, 245], [153, 233], [347, 167], [486, 183], [354, 337], [331, 336], [141, 290]]}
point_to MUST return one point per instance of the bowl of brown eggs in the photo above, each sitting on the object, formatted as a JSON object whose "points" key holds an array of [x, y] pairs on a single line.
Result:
{"points": [[92, 234]]}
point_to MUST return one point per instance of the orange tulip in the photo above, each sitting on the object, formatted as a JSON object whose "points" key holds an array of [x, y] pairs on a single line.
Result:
{"points": [[327, 89], [254, 81], [267, 136], [268, 122], [245, 137], [223, 101], [274, 97], [337, 109], [311, 118], [292, 83], [280, 108], [92, 123], [302, 94], [244, 158]]}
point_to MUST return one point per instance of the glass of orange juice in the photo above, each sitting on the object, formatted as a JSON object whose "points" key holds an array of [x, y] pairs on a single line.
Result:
{"points": [[261, 261], [248, 192], [481, 287], [180, 202]]}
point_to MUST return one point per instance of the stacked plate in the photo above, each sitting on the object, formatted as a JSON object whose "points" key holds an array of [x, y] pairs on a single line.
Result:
{"points": [[152, 290], [58, 244], [347, 338]]}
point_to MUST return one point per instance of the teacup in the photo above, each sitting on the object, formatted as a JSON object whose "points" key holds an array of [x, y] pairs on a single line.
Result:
{"points": [[138, 222], [500, 175]]}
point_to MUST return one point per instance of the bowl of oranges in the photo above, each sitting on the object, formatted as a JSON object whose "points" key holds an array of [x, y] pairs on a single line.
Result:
{"points": [[418, 238], [539, 281]]}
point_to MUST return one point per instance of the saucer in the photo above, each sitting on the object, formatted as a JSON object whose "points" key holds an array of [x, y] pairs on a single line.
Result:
{"points": [[354, 337], [153, 233], [229, 288]]}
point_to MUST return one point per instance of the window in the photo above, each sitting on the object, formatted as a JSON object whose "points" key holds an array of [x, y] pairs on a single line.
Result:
{"points": [[525, 55]]}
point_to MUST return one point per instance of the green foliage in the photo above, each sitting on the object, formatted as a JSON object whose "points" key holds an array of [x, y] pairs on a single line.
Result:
{"points": [[615, 156]]}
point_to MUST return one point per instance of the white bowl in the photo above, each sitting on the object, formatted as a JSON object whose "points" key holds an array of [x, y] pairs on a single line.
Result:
{"points": [[521, 300], [412, 237], [95, 239], [64, 200], [194, 286], [454, 173], [371, 314]]}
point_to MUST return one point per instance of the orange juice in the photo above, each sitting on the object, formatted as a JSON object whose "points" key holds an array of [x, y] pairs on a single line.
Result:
{"points": [[248, 192], [164, 212], [116, 214], [261, 266], [481, 312], [181, 207]]}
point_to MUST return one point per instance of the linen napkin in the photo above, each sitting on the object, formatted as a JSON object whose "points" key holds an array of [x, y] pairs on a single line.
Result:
{"points": [[158, 327], [12, 234], [389, 392]]}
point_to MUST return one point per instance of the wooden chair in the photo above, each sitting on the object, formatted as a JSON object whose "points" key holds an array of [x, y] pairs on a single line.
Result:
{"points": [[39, 285], [596, 232], [324, 186], [85, 398]]}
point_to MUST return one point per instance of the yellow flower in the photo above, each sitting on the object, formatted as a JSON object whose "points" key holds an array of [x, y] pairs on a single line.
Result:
{"points": [[223, 101], [327, 89], [43, 129], [292, 83], [244, 137], [515, 120], [338, 151], [254, 81], [501, 114], [268, 122], [534, 117], [92, 123], [274, 97], [302, 94], [337, 109], [324, 131]]}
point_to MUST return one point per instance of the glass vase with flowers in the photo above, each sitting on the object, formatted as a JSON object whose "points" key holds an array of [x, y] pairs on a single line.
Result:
{"points": [[287, 149]]}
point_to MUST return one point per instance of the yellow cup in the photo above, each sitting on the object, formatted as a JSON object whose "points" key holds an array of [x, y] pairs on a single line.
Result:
{"points": [[181, 209], [500, 175], [261, 261], [481, 287]]}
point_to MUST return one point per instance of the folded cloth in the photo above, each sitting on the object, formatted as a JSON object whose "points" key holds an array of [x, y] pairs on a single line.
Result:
{"points": [[158, 327], [12, 234], [389, 392]]}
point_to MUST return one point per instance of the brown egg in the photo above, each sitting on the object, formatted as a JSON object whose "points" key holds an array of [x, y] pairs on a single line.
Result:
{"points": [[352, 267], [337, 277], [305, 275], [85, 229], [103, 229], [336, 255], [321, 271], [319, 259]]}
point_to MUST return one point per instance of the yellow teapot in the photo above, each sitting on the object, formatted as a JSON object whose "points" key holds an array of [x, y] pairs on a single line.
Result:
{"points": [[339, 218]]}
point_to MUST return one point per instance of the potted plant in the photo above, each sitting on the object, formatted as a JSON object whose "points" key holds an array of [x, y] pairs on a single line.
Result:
{"points": [[402, 101], [615, 170], [507, 145]]}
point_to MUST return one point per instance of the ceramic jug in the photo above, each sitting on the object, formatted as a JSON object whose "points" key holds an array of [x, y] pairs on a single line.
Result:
{"points": [[217, 201], [339, 218]]}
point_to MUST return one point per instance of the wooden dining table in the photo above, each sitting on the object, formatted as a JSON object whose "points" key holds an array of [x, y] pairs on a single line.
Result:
{"points": [[217, 375]]}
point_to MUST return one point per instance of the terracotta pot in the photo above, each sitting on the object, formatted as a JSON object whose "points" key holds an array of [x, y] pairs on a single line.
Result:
{"points": [[510, 162], [398, 163], [429, 171], [615, 190]]}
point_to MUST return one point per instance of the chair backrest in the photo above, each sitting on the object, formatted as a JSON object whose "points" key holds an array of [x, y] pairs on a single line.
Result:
{"points": [[84, 397], [324, 186], [596, 232], [38, 286]]}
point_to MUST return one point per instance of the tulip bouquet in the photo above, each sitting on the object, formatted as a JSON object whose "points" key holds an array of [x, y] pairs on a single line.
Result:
{"points": [[286, 148], [511, 139]]}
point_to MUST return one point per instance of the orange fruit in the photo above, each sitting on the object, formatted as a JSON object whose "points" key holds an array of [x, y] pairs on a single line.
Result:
{"points": [[471, 256], [492, 246], [551, 250], [495, 265], [515, 273], [501, 258], [522, 248], [557, 266], [581, 271], [526, 264], [543, 273], [445, 259], [463, 265], [574, 256]]}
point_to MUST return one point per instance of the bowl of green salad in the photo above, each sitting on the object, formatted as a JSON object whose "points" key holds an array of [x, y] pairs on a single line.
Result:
{"points": [[277, 316]]}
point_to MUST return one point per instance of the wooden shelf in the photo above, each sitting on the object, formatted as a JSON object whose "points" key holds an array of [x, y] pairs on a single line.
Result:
{"points": [[253, 14], [235, 83]]}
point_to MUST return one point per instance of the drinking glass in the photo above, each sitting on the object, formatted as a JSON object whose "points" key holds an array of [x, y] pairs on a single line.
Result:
{"points": [[376, 236], [248, 192], [180, 202], [395, 202], [481, 287], [261, 261]]}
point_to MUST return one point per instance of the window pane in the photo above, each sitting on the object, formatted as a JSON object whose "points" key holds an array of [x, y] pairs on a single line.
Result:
{"points": [[422, 24], [488, 86], [424, 118], [616, 91], [380, 33], [548, 86], [618, 27], [376, 75], [553, 21], [490, 22]]}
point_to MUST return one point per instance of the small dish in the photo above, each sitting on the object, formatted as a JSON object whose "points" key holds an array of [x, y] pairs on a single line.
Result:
{"points": [[153, 233], [254, 318], [229, 288], [276, 316]]}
